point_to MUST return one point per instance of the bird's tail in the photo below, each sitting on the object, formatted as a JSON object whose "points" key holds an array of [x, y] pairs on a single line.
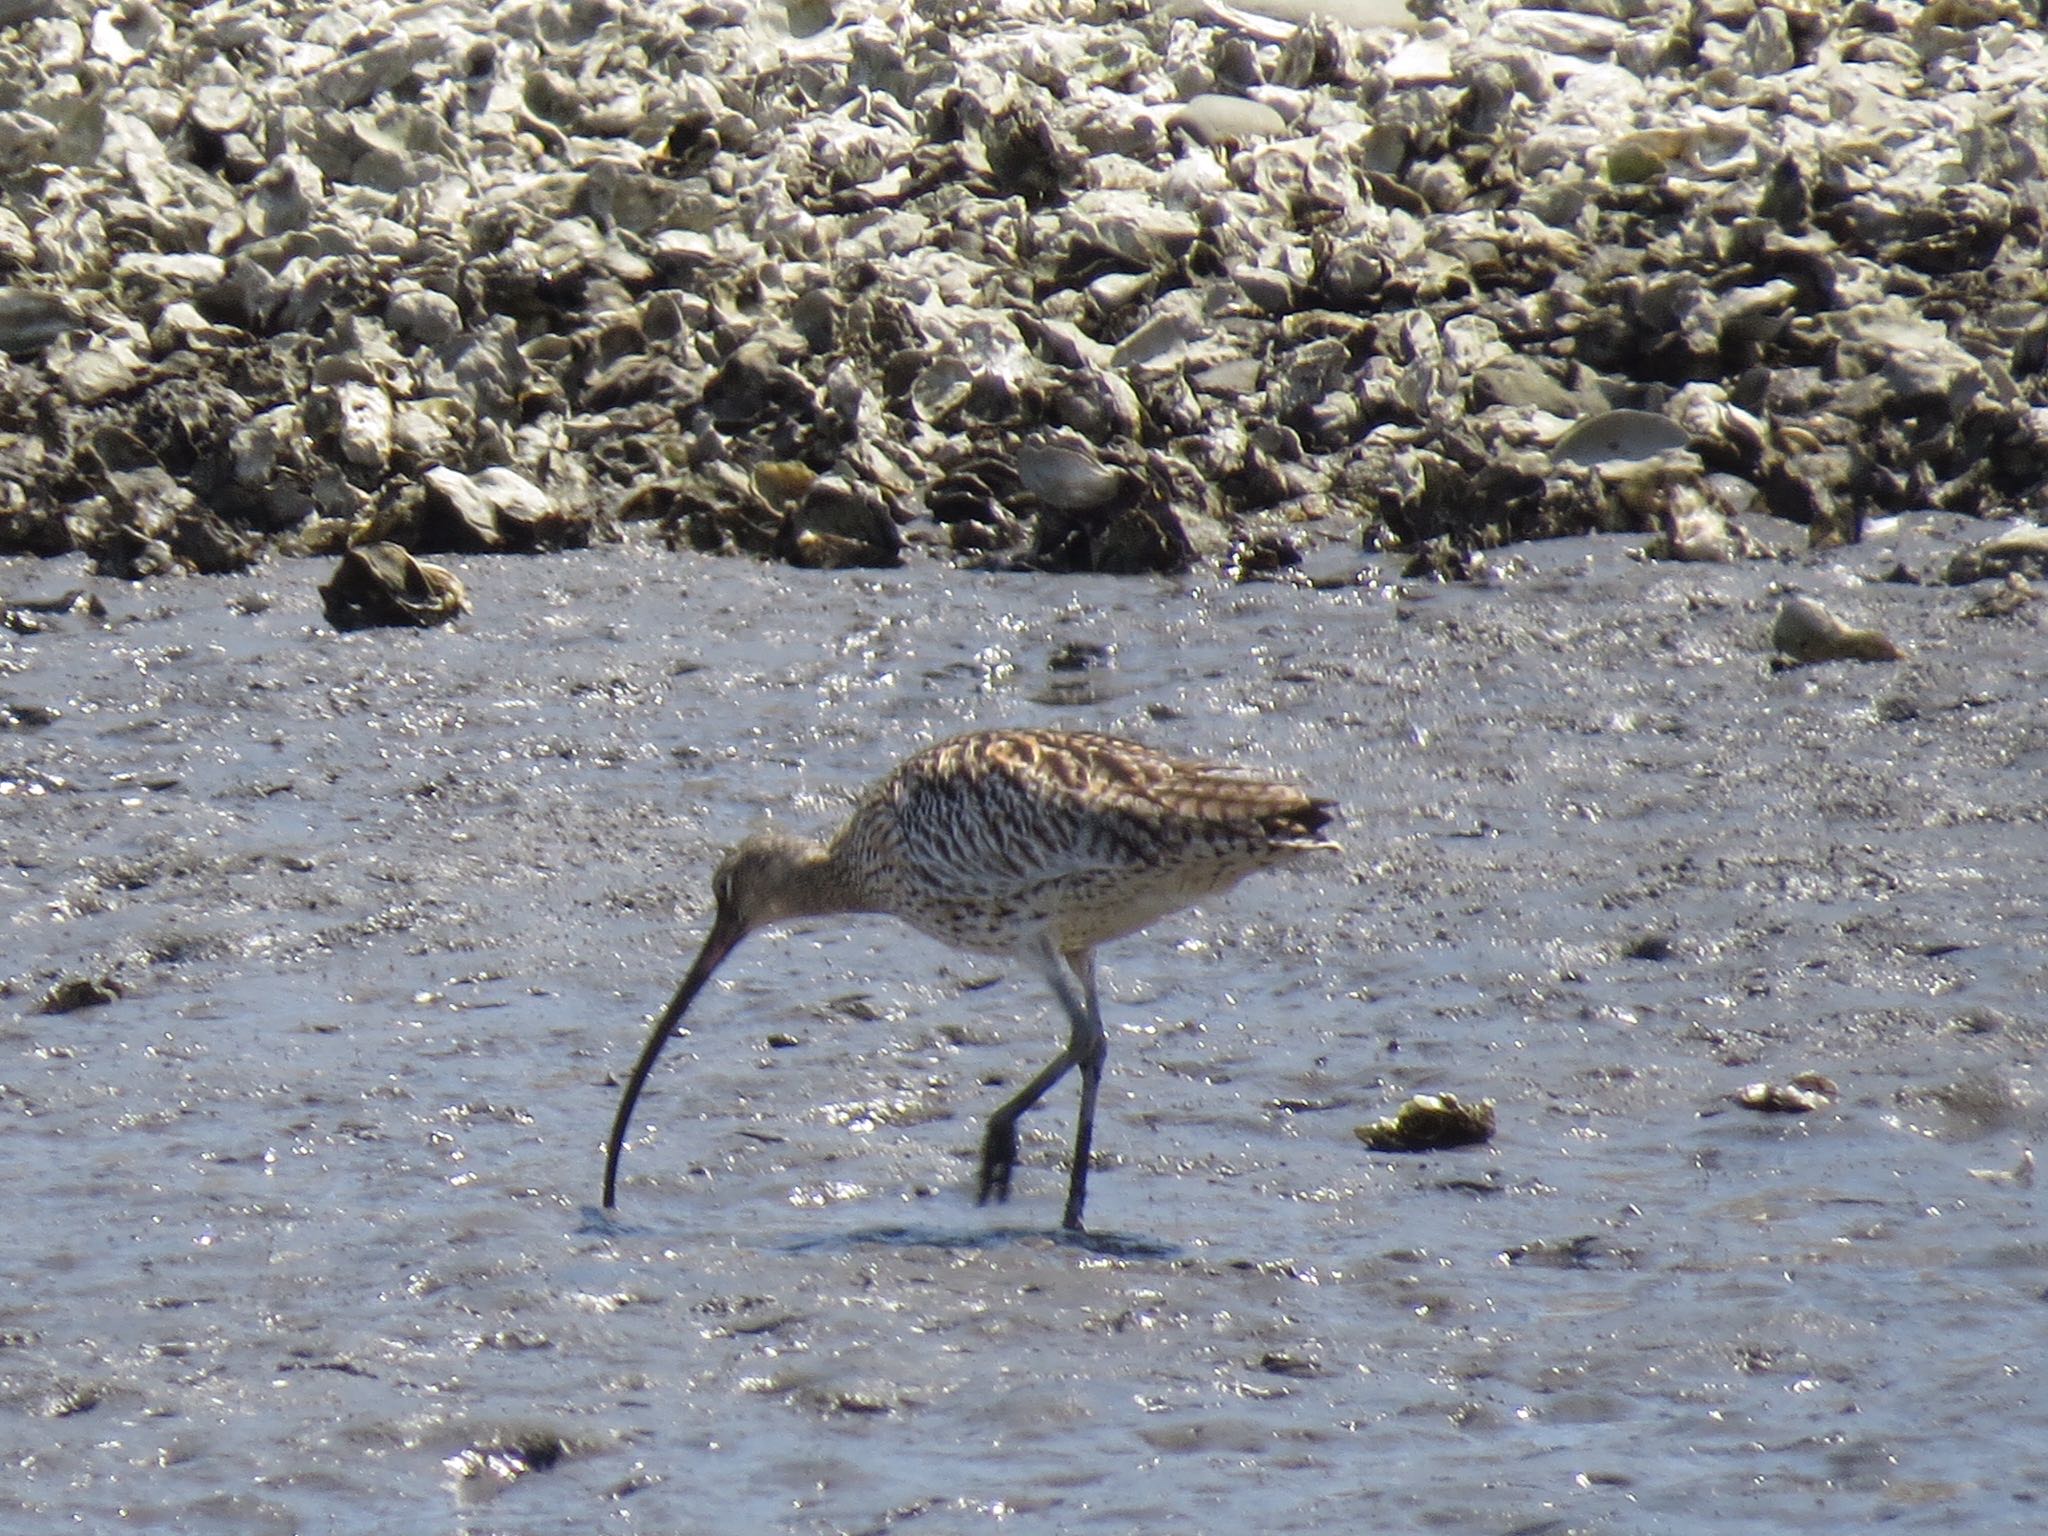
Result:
{"points": [[1300, 826]]}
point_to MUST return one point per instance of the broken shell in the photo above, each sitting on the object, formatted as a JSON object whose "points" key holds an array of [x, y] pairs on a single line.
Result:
{"points": [[1805, 632], [941, 389], [837, 525], [429, 318], [2021, 1175], [220, 110], [92, 368], [819, 227], [782, 484], [1695, 529], [2005, 599], [1430, 1122], [1278, 20], [365, 425]]}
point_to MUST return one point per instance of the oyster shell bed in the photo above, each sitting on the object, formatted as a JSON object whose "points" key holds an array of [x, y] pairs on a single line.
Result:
{"points": [[1064, 285]]}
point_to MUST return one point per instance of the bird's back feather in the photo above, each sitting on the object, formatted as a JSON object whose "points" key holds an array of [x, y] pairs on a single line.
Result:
{"points": [[987, 838]]}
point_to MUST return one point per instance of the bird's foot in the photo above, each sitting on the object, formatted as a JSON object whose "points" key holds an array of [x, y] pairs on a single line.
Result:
{"points": [[998, 1157]]}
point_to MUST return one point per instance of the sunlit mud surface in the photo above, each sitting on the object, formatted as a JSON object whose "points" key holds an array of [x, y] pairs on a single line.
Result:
{"points": [[302, 1225]]}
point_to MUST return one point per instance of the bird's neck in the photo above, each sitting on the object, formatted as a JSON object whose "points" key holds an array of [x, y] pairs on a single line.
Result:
{"points": [[824, 883]]}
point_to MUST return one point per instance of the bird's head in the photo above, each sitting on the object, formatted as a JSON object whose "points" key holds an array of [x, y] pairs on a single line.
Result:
{"points": [[768, 877]]}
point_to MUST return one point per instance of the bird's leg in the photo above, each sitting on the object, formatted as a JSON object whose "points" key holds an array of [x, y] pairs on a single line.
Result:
{"points": [[999, 1143], [1072, 979], [1095, 1051]]}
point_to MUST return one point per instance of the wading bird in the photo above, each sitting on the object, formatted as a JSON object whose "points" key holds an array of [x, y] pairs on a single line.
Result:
{"points": [[1036, 843]]}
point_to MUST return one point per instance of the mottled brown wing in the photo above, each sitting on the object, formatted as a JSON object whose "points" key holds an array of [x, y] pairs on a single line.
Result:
{"points": [[1144, 780], [1066, 799]]}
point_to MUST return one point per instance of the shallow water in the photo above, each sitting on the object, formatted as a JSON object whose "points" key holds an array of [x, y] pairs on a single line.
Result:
{"points": [[304, 1224]]}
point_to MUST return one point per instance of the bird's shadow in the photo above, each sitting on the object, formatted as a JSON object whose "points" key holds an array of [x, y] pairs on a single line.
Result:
{"points": [[1113, 1245], [598, 1222]]}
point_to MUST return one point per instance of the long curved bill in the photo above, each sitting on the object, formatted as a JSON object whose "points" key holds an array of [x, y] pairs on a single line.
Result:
{"points": [[724, 937]]}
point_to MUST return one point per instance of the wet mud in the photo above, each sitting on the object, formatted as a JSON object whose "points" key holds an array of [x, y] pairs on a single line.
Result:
{"points": [[325, 952]]}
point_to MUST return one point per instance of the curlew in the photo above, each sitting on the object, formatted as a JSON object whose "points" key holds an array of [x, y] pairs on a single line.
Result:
{"points": [[1041, 844]]}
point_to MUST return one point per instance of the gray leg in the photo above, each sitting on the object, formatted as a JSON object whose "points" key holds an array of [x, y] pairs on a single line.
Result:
{"points": [[1096, 1052], [1072, 978]]}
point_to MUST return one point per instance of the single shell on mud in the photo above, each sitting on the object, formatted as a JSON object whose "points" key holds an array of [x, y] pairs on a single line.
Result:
{"points": [[383, 585], [1430, 1122], [76, 992], [1805, 632], [1802, 1095]]}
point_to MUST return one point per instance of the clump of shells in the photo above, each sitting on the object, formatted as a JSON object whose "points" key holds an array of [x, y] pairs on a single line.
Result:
{"points": [[1057, 283]]}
